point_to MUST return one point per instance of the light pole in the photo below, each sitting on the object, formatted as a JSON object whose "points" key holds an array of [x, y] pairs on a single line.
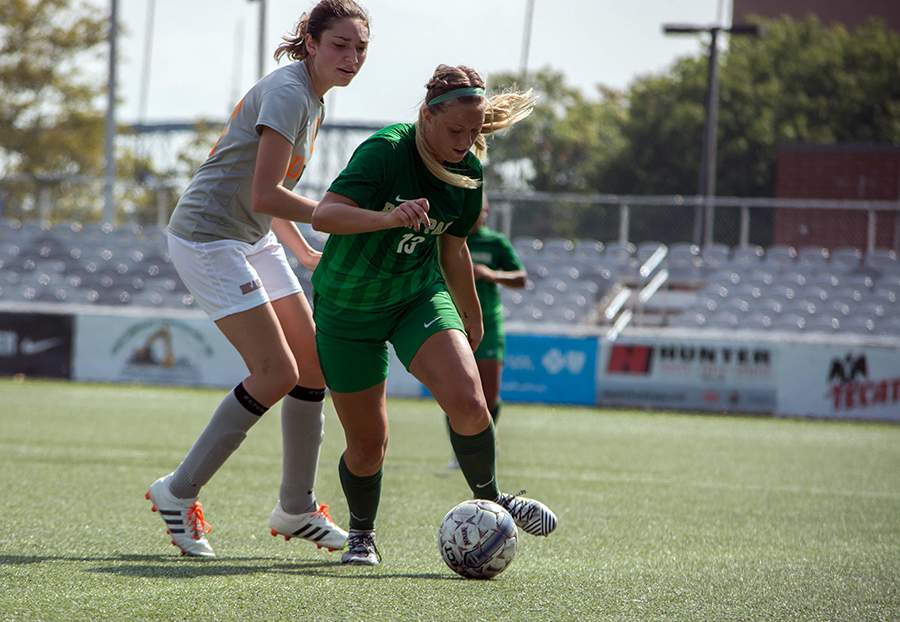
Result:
{"points": [[261, 41], [707, 186], [109, 178]]}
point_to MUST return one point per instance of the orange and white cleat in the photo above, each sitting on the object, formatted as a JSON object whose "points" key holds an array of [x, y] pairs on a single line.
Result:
{"points": [[183, 518], [317, 527]]}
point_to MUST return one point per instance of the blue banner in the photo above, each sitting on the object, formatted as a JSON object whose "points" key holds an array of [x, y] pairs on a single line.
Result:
{"points": [[552, 370]]}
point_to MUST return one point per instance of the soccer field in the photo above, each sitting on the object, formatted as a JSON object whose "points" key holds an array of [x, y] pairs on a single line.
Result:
{"points": [[663, 516]]}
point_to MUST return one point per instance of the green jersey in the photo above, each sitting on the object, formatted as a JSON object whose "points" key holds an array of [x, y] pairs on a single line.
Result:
{"points": [[377, 270], [492, 249]]}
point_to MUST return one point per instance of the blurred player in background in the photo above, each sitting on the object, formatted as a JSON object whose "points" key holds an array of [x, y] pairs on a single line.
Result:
{"points": [[222, 242], [495, 263], [396, 268]]}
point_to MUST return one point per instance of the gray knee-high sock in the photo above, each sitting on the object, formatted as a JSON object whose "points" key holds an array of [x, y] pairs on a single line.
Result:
{"points": [[224, 433], [302, 430]]}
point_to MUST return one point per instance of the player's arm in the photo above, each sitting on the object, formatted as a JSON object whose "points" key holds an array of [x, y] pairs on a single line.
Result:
{"points": [[336, 213], [291, 237], [510, 278], [510, 270], [268, 194], [456, 264]]}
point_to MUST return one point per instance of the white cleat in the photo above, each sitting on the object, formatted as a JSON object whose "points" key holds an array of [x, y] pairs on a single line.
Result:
{"points": [[317, 527], [183, 519], [532, 516]]}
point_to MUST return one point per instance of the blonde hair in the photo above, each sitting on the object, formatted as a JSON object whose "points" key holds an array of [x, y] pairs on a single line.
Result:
{"points": [[501, 112], [322, 17]]}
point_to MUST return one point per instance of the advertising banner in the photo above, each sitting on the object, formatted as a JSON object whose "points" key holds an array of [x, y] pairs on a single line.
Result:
{"points": [[685, 373], [552, 370], [35, 344], [114, 348], [843, 382]]}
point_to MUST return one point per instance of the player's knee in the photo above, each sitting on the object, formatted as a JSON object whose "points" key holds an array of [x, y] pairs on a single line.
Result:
{"points": [[469, 407], [367, 454], [280, 374]]}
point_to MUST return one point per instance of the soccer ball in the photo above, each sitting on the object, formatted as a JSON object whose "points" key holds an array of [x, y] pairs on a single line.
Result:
{"points": [[478, 539]]}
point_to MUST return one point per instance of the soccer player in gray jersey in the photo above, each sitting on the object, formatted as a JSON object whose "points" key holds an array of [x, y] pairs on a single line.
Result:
{"points": [[222, 239], [397, 269]]}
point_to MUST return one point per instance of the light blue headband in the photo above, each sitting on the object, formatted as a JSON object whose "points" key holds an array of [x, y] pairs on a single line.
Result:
{"points": [[470, 91]]}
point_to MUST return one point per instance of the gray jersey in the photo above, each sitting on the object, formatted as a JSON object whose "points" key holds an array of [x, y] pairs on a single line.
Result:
{"points": [[216, 204]]}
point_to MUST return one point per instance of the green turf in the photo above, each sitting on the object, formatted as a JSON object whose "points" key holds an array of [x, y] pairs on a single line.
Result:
{"points": [[662, 517]]}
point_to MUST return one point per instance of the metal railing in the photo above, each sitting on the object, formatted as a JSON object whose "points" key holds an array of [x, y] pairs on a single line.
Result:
{"points": [[507, 205]]}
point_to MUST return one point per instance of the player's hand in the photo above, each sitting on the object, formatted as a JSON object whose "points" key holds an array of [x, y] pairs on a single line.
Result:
{"points": [[481, 271], [411, 214], [310, 259], [474, 333]]}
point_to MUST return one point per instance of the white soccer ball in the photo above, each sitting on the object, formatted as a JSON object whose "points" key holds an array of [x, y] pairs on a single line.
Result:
{"points": [[478, 539]]}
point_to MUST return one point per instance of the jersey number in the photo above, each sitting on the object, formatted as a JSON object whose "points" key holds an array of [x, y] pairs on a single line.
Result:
{"points": [[409, 242]]}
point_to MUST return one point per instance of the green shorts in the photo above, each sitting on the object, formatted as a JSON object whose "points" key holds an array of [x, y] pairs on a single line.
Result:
{"points": [[352, 345], [493, 343]]}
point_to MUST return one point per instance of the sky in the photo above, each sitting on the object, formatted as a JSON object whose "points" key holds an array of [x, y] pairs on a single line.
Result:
{"points": [[204, 52]]}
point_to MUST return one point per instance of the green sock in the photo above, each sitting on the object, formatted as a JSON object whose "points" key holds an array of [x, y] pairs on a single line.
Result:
{"points": [[363, 496], [495, 413], [477, 462]]}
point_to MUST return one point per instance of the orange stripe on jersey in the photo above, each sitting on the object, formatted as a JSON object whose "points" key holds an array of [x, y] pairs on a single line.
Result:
{"points": [[296, 167], [299, 162], [227, 125]]}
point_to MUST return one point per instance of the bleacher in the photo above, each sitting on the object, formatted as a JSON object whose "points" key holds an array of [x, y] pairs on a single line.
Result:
{"points": [[780, 288], [97, 264], [570, 282]]}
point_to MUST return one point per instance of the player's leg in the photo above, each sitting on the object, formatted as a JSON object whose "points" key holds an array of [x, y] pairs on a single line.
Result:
{"points": [[297, 513], [363, 415], [491, 371], [444, 364], [218, 275], [489, 351], [430, 342], [355, 362], [258, 338]]}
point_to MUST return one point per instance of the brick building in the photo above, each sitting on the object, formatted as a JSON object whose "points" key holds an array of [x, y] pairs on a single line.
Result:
{"points": [[850, 14], [841, 172]]}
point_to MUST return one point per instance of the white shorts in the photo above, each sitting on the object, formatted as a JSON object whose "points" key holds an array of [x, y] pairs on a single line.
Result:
{"points": [[227, 276]]}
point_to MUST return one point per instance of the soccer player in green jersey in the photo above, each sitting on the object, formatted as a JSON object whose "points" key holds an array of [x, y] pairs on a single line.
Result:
{"points": [[222, 242], [495, 263], [396, 268]]}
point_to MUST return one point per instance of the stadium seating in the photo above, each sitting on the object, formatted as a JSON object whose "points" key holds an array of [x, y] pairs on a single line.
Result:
{"points": [[714, 287]]}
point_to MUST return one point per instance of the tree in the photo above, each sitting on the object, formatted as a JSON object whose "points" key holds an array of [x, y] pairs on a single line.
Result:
{"points": [[49, 124], [50, 130], [805, 83], [560, 147], [802, 82]]}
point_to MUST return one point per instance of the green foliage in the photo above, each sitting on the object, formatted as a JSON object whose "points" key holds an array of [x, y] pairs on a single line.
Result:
{"points": [[802, 82], [50, 126], [564, 137], [48, 121]]}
